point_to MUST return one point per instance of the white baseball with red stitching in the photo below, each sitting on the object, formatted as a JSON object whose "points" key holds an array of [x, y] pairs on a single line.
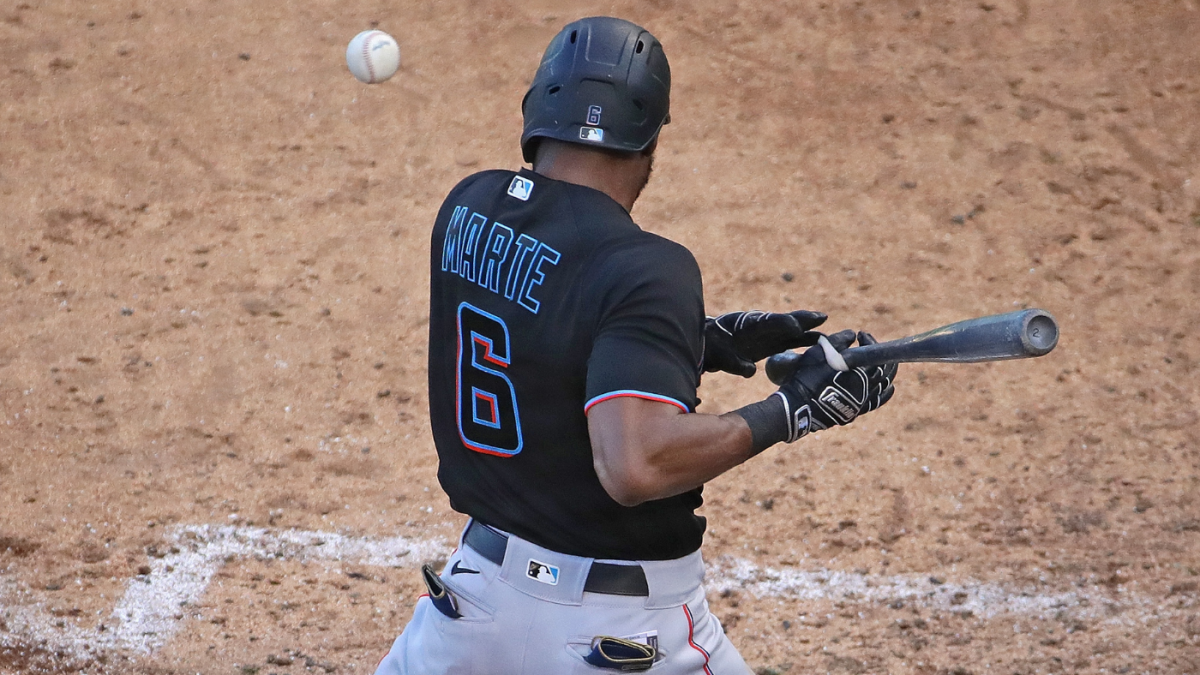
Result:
{"points": [[373, 56]]}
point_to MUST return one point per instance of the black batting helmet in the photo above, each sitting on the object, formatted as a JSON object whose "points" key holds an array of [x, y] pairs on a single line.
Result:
{"points": [[602, 82]]}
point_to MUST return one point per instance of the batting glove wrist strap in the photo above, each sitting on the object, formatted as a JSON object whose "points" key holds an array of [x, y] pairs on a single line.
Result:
{"points": [[767, 421]]}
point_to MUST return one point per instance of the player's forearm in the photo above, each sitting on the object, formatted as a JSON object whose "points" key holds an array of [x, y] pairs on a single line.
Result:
{"points": [[644, 450]]}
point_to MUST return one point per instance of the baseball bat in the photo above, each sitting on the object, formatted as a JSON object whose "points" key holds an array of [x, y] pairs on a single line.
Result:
{"points": [[1016, 335]]}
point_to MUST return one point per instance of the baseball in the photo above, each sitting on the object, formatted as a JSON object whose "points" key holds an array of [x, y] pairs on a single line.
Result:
{"points": [[373, 56]]}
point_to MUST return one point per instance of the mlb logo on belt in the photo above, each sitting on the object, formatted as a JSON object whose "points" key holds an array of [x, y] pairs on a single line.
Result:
{"points": [[591, 134], [543, 572], [520, 188]]}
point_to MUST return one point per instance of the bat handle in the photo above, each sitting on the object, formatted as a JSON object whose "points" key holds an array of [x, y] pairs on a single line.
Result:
{"points": [[781, 366], [864, 355]]}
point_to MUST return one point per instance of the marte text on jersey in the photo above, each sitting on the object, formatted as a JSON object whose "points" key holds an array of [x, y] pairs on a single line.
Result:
{"points": [[490, 254]]}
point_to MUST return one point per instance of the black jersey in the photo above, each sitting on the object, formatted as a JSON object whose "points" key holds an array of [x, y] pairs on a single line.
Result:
{"points": [[545, 299]]}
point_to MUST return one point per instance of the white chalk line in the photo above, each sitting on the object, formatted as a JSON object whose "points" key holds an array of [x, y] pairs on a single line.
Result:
{"points": [[982, 599], [154, 606]]}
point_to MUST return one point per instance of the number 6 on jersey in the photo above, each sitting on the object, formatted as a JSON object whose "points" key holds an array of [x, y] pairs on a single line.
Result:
{"points": [[488, 420]]}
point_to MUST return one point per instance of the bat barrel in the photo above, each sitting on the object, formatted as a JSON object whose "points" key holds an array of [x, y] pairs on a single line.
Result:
{"points": [[1016, 335]]}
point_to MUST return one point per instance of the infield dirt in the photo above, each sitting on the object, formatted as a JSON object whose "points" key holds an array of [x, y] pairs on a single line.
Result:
{"points": [[213, 308]]}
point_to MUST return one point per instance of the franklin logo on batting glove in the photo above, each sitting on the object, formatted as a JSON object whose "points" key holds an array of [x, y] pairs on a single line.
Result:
{"points": [[843, 399], [832, 403]]}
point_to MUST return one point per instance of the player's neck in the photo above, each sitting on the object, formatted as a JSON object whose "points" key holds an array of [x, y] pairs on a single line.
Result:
{"points": [[620, 177]]}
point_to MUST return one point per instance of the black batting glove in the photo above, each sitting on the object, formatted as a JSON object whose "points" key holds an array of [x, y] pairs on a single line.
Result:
{"points": [[818, 397], [733, 342]]}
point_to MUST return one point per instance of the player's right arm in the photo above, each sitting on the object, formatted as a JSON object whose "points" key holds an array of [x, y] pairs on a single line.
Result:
{"points": [[644, 450], [647, 440]]}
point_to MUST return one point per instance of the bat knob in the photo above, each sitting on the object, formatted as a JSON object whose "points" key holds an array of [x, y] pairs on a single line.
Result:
{"points": [[781, 366], [1039, 333]]}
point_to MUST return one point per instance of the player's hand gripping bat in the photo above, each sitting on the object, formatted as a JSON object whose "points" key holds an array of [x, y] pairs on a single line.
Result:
{"points": [[1015, 335]]}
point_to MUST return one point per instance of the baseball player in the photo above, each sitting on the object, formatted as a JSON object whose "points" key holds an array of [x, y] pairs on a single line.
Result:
{"points": [[565, 350]]}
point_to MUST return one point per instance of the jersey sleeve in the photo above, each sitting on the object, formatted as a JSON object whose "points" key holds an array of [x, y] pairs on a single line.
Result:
{"points": [[649, 340]]}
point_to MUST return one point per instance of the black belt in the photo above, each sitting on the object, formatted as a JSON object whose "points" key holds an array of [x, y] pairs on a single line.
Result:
{"points": [[603, 578]]}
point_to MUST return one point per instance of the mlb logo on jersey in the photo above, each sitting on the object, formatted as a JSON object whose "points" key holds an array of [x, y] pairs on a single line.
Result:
{"points": [[520, 188], [591, 134], [594, 115], [543, 572]]}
